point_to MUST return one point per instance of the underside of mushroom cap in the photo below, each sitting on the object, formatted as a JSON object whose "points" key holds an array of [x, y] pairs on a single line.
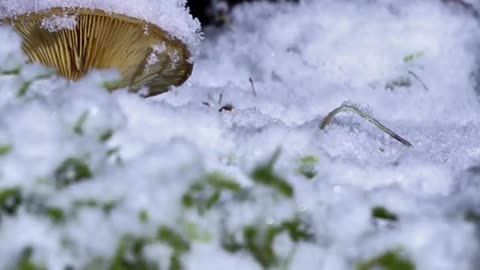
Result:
{"points": [[93, 39]]}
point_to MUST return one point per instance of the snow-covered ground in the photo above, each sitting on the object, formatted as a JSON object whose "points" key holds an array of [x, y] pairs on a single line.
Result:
{"points": [[217, 174]]}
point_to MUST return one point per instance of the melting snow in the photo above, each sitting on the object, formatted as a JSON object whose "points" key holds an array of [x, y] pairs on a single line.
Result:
{"points": [[91, 179]]}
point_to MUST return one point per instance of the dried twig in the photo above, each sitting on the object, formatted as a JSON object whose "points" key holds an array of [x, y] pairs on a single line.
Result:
{"points": [[220, 99], [418, 79], [365, 116], [253, 86]]}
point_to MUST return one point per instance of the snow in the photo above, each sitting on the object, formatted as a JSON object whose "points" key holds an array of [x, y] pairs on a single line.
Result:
{"points": [[304, 61], [156, 50], [169, 15], [57, 23]]}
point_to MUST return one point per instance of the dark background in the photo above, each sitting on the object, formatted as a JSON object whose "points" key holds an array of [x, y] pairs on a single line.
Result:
{"points": [[210, 13]]}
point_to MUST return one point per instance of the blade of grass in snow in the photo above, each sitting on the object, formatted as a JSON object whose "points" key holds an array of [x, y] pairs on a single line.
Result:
{"points": [[348, 108]]}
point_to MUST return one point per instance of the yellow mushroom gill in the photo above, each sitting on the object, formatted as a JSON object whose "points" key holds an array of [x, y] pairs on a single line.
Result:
{"points": [[144, 54]]}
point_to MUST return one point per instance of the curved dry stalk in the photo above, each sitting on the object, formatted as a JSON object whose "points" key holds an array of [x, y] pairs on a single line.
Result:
{"points": [[418, 79], [365, 116]]}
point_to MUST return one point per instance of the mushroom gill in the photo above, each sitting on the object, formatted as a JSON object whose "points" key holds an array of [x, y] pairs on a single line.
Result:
{"points": [[144, 54]]}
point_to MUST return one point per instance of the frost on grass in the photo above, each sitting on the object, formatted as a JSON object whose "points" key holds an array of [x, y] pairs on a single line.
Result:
{"points": [[92, 180]]}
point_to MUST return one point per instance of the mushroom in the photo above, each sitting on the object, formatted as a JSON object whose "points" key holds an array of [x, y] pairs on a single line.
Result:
{"points": [[74, 41]]}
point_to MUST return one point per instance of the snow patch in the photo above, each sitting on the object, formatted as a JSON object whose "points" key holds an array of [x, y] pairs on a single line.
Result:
{"points": [[156, 50], [57, 23]]}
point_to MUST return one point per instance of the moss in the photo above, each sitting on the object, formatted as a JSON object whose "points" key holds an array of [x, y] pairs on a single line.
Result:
{"points": [[130, 252], [177, 243], [230, 243], [72, 170], [5, 149], [298, 230], [107, 135], [10, 200], [260, 244], [258, 240], [56, 215], [410, 58], [380, 212], [306, 166], [223, 182], [264, 174], [26, 85], [79, 124], [129, 255], [173, 239], [206, 193], [195, 234], [390, 260], [143, 216], [25, 261], [15, 71], [107, 206]]}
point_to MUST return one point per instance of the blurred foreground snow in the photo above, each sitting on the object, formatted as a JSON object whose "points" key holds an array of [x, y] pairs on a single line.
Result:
{"points": [[93, 180]]}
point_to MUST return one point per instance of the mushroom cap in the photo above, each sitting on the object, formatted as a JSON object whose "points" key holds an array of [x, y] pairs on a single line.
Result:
{"points": [[93, 39]]}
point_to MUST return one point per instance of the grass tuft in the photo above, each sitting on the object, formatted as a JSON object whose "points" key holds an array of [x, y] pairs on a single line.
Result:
{"points": [[390, 260], [264, 174], [380, 212]]}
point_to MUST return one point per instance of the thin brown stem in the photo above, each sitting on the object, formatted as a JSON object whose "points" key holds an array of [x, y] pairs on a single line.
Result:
{"points": [[253, 87], [344, 108], [418, 79]]}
